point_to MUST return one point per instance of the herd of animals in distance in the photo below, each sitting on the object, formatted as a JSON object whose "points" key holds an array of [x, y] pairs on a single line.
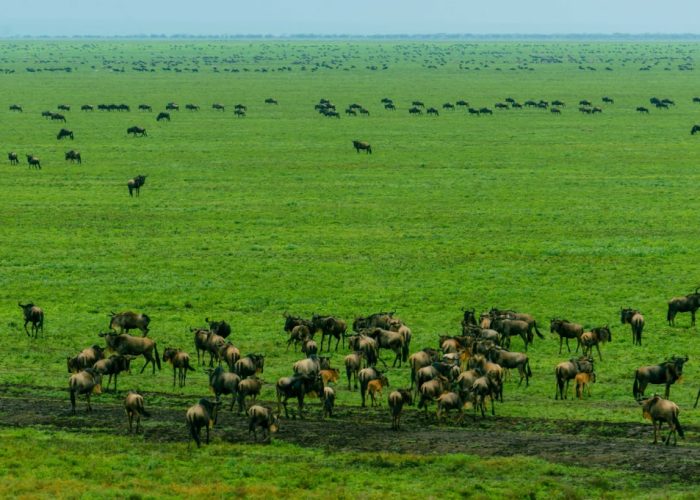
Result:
{"points": [[465, 371], [325, 108]]}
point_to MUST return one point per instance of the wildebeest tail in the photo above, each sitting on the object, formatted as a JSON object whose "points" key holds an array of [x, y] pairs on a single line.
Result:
{"points": [[668, 314], [188, 366], [539, 334], [677, 424], [143, 411], [193, 433], [404, 352], [72, 399], [155, 349]]}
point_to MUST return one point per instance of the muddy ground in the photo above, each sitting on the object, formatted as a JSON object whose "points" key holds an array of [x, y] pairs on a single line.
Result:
{"points": [[611, 445]]}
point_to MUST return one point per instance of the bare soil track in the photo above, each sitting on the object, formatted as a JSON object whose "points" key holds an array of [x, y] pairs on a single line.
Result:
{"points": [[612, 445]]}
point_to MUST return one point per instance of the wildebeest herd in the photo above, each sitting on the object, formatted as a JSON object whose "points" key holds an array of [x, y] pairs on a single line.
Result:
{"points": [[469, 370]]}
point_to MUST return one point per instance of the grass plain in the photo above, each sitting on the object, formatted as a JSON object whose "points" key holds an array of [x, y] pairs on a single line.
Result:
{"points": [[567, 215]]}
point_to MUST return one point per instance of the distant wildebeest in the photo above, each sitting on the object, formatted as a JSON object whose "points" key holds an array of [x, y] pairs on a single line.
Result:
{"points": [[240, 113], [418, 104], [113, 366], [636, 321], [220, 328], [390, 106], [261, 416], [134, 406], [665, 373], [74, 156], [330, 327], [415, 111], [695, 129], [242, 107], [690, 303], [270, 100], [135, 184], [608, 100], [192, 107], [361, 145], [145, 107], [203, 414], [33, 161], [473, 111], [218, 106], [64, 132], [555, 111], [485, 111], [46, 114], [57, 117], [140, 131], [126, 344], [567, 370], [593, 339], [448, 105], [507, 359], [642, 109], [298, 387], [35, 316], [462, 103], [86, 382], [13, 157], [180, 361], [696, 99], [15, 107], [163, 116], [396, 400], [87, 107], [660, 410], [585, 102], [64, 107], [85, 358], [432, 111], [566, 330], [129, 320], [171, 106]]}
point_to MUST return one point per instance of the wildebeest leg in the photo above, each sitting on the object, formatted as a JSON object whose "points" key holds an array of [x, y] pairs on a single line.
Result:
{"points": [[148, 360], [25, 328], [337, 341], [668, 390], [87, 397], [696, 399], [131, 418], [597, 348], [174, 375], [692, 317]]}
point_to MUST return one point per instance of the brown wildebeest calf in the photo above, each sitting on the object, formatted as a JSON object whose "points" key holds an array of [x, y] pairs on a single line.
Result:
{"points": [[35, 316], [129, 320], [636, 321], [180, 361]]}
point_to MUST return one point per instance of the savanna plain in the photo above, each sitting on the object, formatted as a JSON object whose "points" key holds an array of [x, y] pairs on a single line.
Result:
{"points": [[569, 214]]}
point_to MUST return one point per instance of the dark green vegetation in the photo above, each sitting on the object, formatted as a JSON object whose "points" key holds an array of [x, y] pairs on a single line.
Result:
{"points": [[567, 215]]}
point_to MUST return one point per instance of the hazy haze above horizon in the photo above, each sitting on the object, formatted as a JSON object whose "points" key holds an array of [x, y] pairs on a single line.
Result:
{"points": [[360, 17]]}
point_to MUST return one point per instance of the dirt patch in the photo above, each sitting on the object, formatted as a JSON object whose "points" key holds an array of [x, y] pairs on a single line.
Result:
{"points": [[602, 444]]}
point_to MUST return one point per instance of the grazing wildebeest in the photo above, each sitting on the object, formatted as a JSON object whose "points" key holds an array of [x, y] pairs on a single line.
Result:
{"points": [[223, 382], [556, 111], [695, 129], [448, 105], [64, 107], [145, 107], [64, 132], [126, 344], [567, 370], [57, 117], [250, 364], [171, 106], [636, 321], [136, 131], [690, 303], [240, 113], [203, 414], [608, 100], [390, 106], [129, 320], [642, 109], [485, 111], [180, 362], [330, 326], [566, 330], [85, 358], [270, 100], [113, 366], [35, 316], [415, 111], [15, 107], [432, 111], [665, 373], [462, 103], [358, 145], [296, 386], [86, 382], [585, 102], [74, 156], [192, 107], [660, 410], [261, 416], [291, 321], [418, 104], [163, 116], [87, 107], [593, 338], [135, 184], [218, 106], [13, 157], [33, 161], [397, 399], [134, 406], [473, 111]]}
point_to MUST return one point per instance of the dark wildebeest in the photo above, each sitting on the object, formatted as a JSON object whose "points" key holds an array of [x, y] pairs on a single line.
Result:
{"points": [[192, 107], [64, 132], [145, 107], [163, 116], [665, 373], [248, 387], [361, 145], [33, 161], [135, 184], [567, 370], [593, 338], [85, 359], [15, 107], [261, 416], [566, 330], [300, 333], [421, 359], [57, 117], [250, 364], [230, 354], [660, 410], [291, 321], [366, 345], [397, 399], [608, 100], [381, 320], [298, 387], [432, 111], [218, 106], [180, 362], [221, 328], [13, 157], [528, 318], [511, 327], [270, 100], [134, 406], [136, 346], [129, 320], [330, 326], [690, 303], [203, 414], [171, 106], [223, 382], [695, 129], [636, 321], [35, 316], [86, 382], [415, 111], [74, 157], [507, 359], [387, 339], [642, 109], [136, 131], [240, 113], [64, 107], [418, 104], [87, 107], [113, 366]]}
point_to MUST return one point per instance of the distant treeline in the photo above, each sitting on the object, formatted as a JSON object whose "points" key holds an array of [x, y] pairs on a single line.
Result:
{"points": [[395, 36]]}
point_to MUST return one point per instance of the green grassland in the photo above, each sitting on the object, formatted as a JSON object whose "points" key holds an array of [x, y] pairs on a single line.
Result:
{"points": [[243, 219]]}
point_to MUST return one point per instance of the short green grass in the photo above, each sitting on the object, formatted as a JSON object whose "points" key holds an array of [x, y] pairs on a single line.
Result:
{"points": [[244, 219]]}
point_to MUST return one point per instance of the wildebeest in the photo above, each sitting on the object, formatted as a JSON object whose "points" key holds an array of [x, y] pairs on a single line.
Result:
{"points": [[15, 107], [593, 339], [85, 358], [140, 131], [415, 111], [361, 145], [300, 333], [87, 107], [213, 344], [508, 359], [433, 111], [695, 129], [135, 184], [690, 303], [330, 326], [64, 107], [636, 321], [328, 400], [192, 107], [421, 359], [86, 382], [353, 364], [33, 161], [511, 327], [608, 100], [240, 113], [366, 345], [229, 353], [203, 414], [665, 373], [250, 364], [218, 106], [136, 346], [223, 382], [583, 382], [396, 400], [129, 320], [567, 370], [261, 416], [58, 117], [394, 341], [74, 156], [365, 376], [566, 330], [113, 366], [221, 328], [134, 406], [430, 390], [296, 386], [171, 106], [248, 387], [145, 107], [270, 100], [642, 109], [13, 157], [660, 410], [64, 132], [291, 321], [34, 315], [163, 116], [180, 362], [473, 111]]}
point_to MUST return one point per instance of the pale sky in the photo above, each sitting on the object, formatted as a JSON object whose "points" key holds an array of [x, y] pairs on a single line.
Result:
{"points": [[359, 17]]}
